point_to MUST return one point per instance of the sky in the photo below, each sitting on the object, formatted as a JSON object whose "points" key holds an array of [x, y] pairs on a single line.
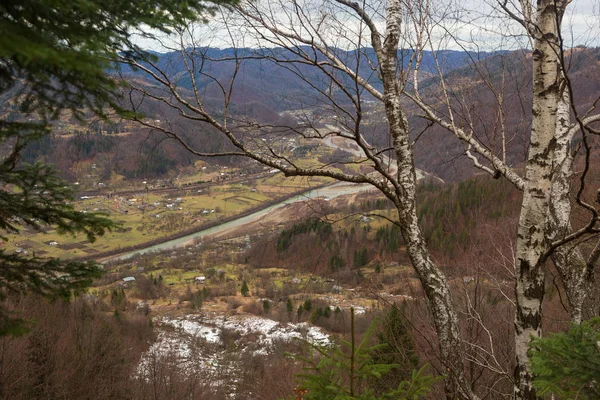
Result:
{"points": [[476, 27]]}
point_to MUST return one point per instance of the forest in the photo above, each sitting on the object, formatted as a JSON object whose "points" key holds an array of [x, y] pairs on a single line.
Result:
{"points": [[299, 200]]}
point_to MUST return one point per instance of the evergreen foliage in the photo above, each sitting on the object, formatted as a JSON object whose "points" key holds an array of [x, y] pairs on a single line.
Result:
{"points": [[336, 263], [447, 214], [307, 305], [344, 372], [389, 237], [568, 364], [55, 54], [266, 306], [245, 291], [311, 225], [54, 57], [34, 198], [398, 349], [361, 257]]}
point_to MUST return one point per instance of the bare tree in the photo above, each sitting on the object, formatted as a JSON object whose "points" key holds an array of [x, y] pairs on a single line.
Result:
{"points": [[545, 220], [347, 55]]}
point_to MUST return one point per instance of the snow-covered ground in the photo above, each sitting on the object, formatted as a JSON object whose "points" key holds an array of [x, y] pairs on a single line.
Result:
{"points": [[209, 329], [195, 343]]}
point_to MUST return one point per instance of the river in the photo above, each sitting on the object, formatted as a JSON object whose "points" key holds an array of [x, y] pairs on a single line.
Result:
{"points": [[331, 191], [328, 192]]}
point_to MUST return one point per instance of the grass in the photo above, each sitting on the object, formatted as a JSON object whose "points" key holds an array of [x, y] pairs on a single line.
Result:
{"points": [[153, 222]]}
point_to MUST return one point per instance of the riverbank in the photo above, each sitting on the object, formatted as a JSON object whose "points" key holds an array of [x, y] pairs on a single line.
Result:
{"points": [[111, 255]]}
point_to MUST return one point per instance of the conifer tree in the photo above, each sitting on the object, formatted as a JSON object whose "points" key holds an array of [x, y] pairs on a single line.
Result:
{"points": [[344, 372], [398, 349], [245, 291], [54, 58], [568, 364]]}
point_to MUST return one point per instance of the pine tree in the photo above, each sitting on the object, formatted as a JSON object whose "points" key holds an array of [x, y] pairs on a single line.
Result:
{"points": [[54, 57], [267, 306], [307, 305], [344, 372], [568, 364], [245, 291], [398, 349]]}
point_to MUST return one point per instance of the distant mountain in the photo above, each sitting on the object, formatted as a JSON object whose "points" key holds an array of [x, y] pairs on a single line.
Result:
{"points": [[265, 84], [263, 89]]}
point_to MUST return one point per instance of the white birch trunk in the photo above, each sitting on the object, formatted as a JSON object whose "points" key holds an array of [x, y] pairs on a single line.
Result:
{"points": [[568, 259], [531, 236], [432, 279]]}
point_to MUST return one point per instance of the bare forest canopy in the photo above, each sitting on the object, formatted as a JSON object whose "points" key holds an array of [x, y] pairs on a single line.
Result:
{"points": [[268, 93]]}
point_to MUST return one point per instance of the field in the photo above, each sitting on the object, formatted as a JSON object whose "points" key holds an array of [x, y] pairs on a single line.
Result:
{"points": [[147, 215]]}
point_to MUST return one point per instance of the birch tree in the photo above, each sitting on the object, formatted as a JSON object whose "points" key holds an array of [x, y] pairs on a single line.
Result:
{"points": [[350, 54], [545, 219]]}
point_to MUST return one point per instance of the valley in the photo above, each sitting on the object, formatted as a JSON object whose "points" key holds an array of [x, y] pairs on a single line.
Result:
{"points": [[297, 200]]}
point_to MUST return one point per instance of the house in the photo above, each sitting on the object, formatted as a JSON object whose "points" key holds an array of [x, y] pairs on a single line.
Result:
{"points": [[200, 279], [128, 279]]}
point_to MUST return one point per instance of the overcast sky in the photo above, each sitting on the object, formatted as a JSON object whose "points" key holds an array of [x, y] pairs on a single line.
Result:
{"points": [[476, 28]]}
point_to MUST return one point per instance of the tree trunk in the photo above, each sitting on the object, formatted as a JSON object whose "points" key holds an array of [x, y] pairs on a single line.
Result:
{"points": [[569, 261], [531, 235], [432, 279]]}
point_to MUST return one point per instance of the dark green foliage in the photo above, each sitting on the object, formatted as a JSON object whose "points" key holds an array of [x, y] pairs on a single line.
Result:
{"points": [[312, 225], [154, 163], [361, 257], [38, 198], [302, 151], [117, 297], [198, 297], [344, 372], [34, 198], [336, 263], [379, 204], [245, 291], [63, 49], [398, 349], [389, 237], [289, 306], [266, 306], [316, 314], [307, 305], [54, 57], [568, 364], [447, 214]]}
